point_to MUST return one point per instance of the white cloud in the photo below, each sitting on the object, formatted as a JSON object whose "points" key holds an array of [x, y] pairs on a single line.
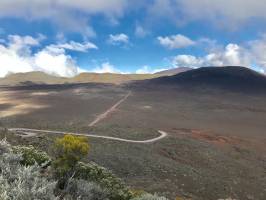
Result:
{"points": [[22, 44], [143, 70], [16, 56], [175, 41], [75, 46], [76, 15], [118, 39], [148, 70], [12, 62], [230, 13], [67, 14], [258, 51], [106, 68], [55, 63], [232, 54], [35, 9], [249, 54], [162, 9], [17, 42], [75, 24], [187, 61], [221, 13]]}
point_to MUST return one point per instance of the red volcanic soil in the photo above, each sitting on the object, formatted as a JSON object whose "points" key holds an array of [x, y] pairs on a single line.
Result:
{"points": [[215, 139], [207, 136], [256, 143]]}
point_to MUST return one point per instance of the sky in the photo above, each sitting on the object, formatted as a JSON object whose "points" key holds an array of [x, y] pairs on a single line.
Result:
{"points": [[66, 37]]}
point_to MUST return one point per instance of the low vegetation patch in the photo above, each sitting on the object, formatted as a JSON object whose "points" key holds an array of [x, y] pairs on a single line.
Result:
{"points": [[31, 156], [114, 186], [27, 173]]}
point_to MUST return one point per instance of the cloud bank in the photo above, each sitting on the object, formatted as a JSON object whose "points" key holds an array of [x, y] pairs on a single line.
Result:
{"points": [[106, 68], [232, 54], [250, 54], [69, 15], [230, 14], [149, 70], [76, 15], [16, 56]]}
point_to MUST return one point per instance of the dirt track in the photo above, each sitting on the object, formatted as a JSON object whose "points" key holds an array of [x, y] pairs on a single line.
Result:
{"points": [[33, 132], [26, 132], [110, 110]]}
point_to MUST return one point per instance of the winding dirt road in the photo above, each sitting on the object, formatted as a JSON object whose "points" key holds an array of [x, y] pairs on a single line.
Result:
{"points": [[33, 132], [26, 132]]}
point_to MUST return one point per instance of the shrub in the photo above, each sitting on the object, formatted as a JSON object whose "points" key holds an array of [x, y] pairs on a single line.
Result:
{"points": [[137, 193], [20, 176], [31, 155], [69, 150], [83, 190], [114, 186], [148, 196], [21, 182]]}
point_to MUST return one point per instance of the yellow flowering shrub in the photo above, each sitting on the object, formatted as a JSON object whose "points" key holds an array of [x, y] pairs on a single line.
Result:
{"points": [[69, 150]]}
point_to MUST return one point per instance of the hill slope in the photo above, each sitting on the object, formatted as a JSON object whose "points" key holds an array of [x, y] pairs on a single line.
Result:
{"points": [[110, 78], [231, 77], [31, 78]]}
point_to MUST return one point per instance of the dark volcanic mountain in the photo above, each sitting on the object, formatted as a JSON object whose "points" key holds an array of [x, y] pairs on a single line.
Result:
{"points": [[173, 71], [231, 77]]}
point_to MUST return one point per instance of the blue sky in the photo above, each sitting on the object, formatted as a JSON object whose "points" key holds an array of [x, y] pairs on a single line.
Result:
{"points": [[65, 37]]}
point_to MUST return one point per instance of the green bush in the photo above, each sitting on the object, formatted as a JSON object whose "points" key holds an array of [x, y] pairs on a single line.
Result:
{"points": [[30, 156], [21, 178], [114, 186], [84, 190], [148, 196]]}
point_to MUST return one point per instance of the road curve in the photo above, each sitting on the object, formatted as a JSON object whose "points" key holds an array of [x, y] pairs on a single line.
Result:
{"points": [[33, 132]]}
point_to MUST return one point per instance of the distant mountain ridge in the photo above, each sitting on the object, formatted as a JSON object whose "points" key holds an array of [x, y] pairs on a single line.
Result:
{"points": [[37, 77], [110, 77], [174, 71], [229, 77]]}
